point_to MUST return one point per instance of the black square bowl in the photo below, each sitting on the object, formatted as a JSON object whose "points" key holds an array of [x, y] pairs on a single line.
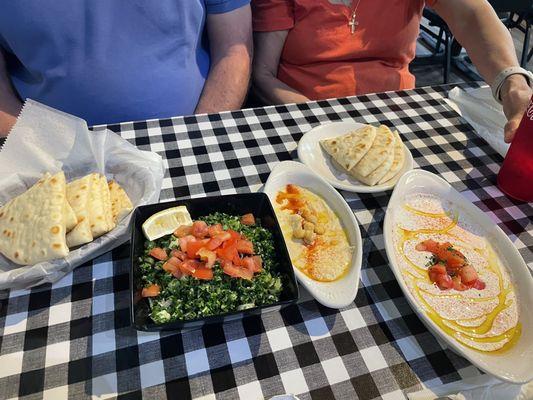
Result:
{"points": [[235, 204]]}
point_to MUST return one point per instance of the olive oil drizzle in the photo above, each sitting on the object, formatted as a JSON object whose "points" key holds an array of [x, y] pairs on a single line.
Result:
{"points": [[453, 328]]}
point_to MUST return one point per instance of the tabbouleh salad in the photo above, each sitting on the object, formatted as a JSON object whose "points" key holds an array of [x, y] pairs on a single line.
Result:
{"points": [[217, 274]]}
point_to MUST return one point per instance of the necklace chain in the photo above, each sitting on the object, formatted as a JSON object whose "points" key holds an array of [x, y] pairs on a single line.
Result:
{"points": [[352, 22]]}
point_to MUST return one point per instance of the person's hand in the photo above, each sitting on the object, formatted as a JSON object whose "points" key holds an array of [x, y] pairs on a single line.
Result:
{"points": [[515, 95]]}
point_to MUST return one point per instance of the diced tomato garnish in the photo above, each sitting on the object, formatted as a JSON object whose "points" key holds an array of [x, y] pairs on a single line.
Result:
{"points": [[151, 291], [170, 267], [203, 273], [178, 254], [184, 241], [227, 252], [245, 246], [457, 284], [444, 282], [183, 230], [158, 253], [194, 245], [248, 219], [199, 229], [208, 256], [254, 264], [234, 235], [223, 236], [438, 268], [214, 230], [468, 274], [433, 276], [479, 285], [189, 266], [237, 272], [258, 263], [214, 243], [174, 261]]}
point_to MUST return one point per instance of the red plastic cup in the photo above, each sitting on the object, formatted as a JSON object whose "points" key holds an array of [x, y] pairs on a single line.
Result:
{"points": [[515, 178]]}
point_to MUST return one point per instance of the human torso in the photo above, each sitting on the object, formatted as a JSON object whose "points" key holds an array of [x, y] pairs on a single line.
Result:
{"points": [[322, 58], [107, 61]]}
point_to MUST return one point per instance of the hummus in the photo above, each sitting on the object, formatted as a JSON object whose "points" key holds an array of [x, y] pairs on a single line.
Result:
{"points": [[485, 320], [317, 243]]}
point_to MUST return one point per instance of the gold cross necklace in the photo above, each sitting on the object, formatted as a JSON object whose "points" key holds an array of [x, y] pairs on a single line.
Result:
{"points": [[352, 22]]}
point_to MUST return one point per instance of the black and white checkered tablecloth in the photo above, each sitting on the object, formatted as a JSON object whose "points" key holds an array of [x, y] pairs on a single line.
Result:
{"points": [[73, 338]]}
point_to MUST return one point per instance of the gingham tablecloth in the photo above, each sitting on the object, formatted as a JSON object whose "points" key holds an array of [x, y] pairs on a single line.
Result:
{"points": [[73, 338]]}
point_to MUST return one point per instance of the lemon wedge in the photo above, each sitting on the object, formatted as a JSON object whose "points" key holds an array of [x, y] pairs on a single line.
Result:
{"points": [[165, 222]]}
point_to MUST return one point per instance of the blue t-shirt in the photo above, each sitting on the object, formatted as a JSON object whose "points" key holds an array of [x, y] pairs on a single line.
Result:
{"points": [[110, 61]]}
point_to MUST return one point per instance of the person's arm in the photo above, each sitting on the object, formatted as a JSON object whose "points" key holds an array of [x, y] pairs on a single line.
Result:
{"points": [[269, 89], [10, 104], [230, 46], [476, 26]]}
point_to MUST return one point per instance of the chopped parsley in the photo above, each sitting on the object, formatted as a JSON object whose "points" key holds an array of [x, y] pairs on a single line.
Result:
{"points": [[190, 298]]}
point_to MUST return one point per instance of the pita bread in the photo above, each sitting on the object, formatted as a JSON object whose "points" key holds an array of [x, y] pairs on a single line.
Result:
{"points": [[32, 225], [70, 217], [100, 216], [399, 159], [347, 150], [376, 175], [78, 197], [382, 149], [120, 202]]}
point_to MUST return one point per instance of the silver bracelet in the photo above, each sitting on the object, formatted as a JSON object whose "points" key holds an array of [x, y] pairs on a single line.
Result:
{"points": [[502, 77]]}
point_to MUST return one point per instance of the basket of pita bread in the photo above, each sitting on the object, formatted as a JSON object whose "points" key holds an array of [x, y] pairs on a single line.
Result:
{"points": [[66, 194]]}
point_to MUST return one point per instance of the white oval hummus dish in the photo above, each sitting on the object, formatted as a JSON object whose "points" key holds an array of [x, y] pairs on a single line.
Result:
{"points": [[320, 231], [462, 275]]}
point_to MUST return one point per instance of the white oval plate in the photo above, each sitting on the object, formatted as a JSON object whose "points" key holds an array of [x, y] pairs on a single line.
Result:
{"points": [[339, 293], [515, 365], [311, 154]]}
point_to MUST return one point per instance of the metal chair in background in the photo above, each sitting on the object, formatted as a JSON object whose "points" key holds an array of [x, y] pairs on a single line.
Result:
{"points": [[515, 14]]}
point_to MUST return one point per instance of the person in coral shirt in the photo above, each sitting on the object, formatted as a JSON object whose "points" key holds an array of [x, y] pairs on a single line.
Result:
{"points": [[319, 49]]}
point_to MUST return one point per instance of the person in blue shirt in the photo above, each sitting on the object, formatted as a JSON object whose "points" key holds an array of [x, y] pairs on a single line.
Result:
{"points": [[124, 60]]}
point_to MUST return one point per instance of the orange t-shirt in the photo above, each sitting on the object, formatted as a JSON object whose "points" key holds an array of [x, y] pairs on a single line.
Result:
{"points": [[322, 59]]}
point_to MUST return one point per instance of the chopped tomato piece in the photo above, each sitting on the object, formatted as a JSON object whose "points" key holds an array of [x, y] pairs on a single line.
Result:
{"points": [[208, 256], [427, 245], [457, 284], [248, 219], [227, 252], [479, 285], [183, 230], [468, 274], [170, 267], [433, 276], [158, 253], [237, 272], [178, 254], [214, 230], [194, 245], [223, 236], [199, 229], [189, 266], [258, 263], [234, 235], [214, 243], [438, 268], [151, 291], [203, 273], [252, 263], [444, 282], [184, 241], [174, 261], [245, 247]]}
